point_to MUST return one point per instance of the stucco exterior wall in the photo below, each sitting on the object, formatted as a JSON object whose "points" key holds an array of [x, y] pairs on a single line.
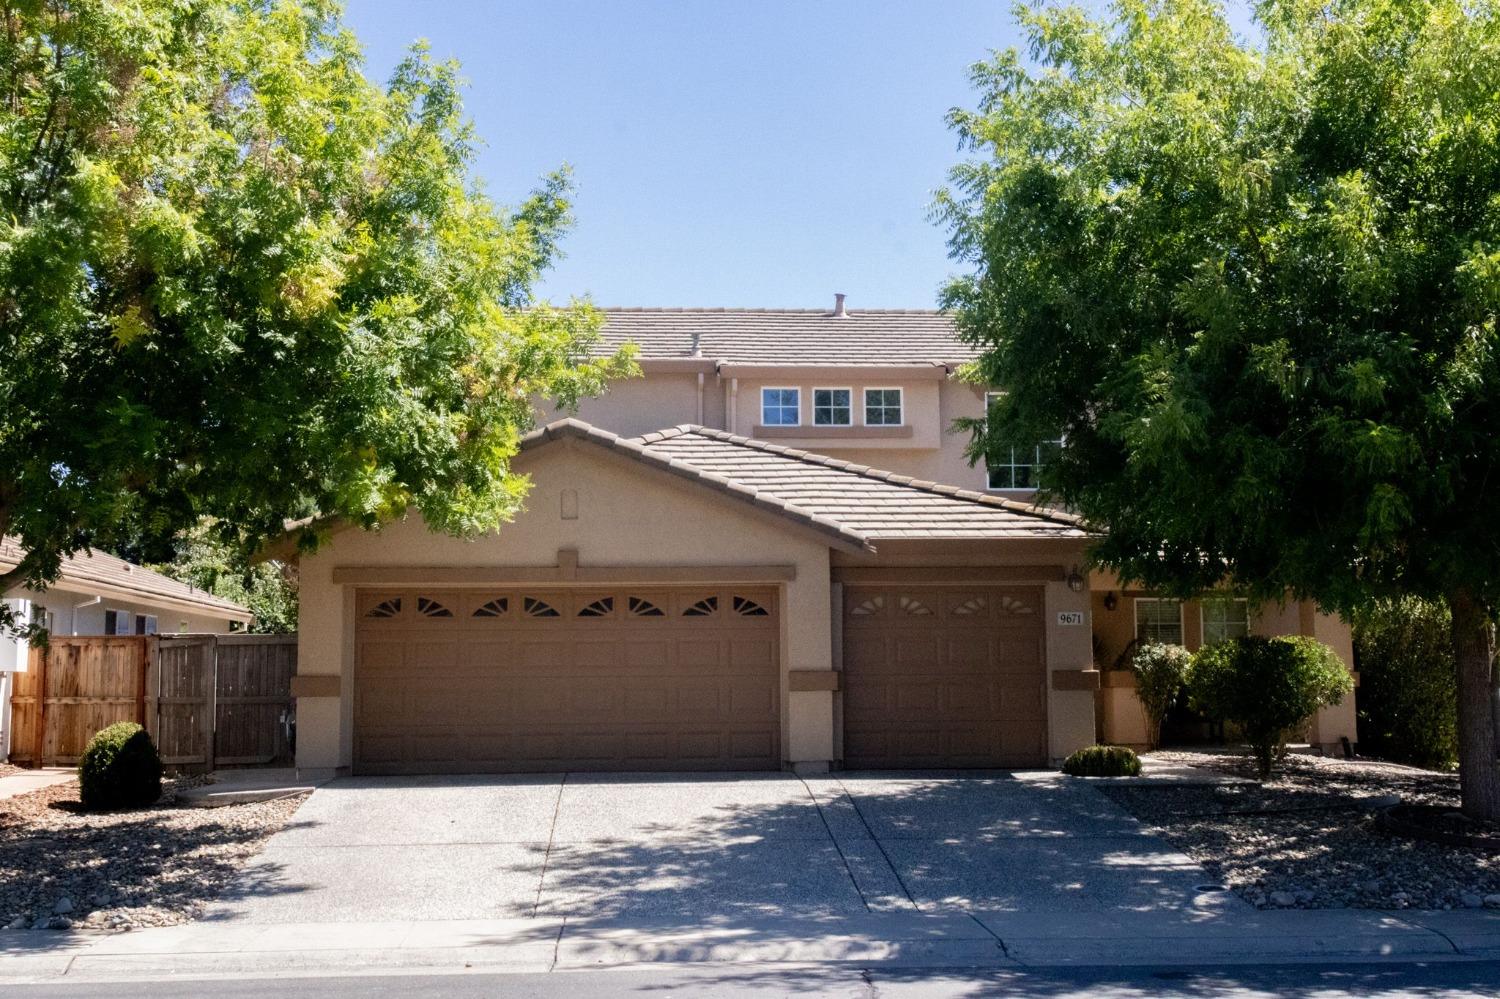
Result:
{"points": [[635, 406], [627, 515], [1120, 713]]}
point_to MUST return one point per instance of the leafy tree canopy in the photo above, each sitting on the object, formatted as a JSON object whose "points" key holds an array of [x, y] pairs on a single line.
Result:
{"points": [[1255, 284], [268, 588], [239, 280]]}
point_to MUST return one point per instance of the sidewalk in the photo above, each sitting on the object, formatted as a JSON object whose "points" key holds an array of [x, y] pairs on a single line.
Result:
{"points": [[213, 949], [34, 780]]}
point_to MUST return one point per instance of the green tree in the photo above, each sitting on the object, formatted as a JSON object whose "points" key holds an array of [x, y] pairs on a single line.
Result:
{"points": [[1255, 284], [1406, 694], [268, 588], [239, 280]]}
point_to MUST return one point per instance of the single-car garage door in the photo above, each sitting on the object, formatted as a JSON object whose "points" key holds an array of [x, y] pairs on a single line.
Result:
{"points": [[530, 679], [944, 677]]}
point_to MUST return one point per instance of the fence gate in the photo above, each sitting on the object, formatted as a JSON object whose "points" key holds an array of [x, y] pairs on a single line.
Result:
{"points": [[208, 700]]}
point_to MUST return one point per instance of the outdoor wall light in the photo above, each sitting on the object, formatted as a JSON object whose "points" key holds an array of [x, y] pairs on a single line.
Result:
{"points": [[1111, 601], [1075, 580]]}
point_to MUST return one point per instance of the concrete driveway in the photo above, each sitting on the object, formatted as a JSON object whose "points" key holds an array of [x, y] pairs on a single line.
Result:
{"points": [[675, 850]]}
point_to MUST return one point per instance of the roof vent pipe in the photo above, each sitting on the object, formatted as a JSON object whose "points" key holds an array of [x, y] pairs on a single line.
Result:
{"points": [[838, 304], [697, 345]]}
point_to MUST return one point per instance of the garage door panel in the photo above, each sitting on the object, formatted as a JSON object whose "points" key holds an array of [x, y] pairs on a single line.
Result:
{"points": [[512, 680], [938, 676]]}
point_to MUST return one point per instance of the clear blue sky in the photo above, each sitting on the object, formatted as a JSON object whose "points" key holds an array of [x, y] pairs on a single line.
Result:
{"points": [[726, 152]]}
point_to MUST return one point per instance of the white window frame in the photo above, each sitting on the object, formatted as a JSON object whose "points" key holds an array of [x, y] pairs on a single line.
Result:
{"points": [[864, 409], [780, 388], [1135, 615], [145, 624], [828, 388], [1203, 616], [125, 616], [1035, 464]]}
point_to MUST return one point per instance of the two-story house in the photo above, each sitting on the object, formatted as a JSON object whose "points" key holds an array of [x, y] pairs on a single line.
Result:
{"points": [[769, 551]]}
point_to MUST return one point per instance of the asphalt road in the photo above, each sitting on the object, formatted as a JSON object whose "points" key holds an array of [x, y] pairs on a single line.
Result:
{"points": [[1430, 981]]}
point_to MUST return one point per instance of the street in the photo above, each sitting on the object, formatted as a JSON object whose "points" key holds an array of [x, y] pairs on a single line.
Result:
{"points": [[1435, 979]]}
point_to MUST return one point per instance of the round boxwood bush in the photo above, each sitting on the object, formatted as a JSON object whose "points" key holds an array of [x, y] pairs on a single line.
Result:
{"points": [[1160, 672], [1103, 761], [120, 768], [1267, 687]]}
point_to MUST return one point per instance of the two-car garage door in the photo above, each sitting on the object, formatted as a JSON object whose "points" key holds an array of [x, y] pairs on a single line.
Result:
{"points": [[531, 679]]}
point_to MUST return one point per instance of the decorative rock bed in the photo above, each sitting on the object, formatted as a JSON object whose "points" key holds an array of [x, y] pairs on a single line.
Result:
{"points": [[62, 867], [1311, 837]]}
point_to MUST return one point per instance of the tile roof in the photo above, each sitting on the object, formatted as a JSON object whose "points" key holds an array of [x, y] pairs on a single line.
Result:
{"points": [[851, 503], [790, 336], [107, 570]]}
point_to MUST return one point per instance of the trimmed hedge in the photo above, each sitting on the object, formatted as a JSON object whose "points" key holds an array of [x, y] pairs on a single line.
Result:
{"points": [[1160, 673], [1267, 687], [120, 768], [1103, 761], [1408, 704]]}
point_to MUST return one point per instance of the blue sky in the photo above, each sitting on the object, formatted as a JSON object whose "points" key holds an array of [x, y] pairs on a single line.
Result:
{"points": [[726, 152]]}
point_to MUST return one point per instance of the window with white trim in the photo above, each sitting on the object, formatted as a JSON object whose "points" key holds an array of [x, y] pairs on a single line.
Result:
{"points": [[118, 622], [1224, 618], [1158, 619], [833, 407], [1018, 466], [780, 407], [882, 407], [145, 624]]}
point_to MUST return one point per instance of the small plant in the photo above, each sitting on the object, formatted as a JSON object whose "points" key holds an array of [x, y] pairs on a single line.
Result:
{"points": [[120, 768], [1160, 672], [1103, 761], [1267, 687]]}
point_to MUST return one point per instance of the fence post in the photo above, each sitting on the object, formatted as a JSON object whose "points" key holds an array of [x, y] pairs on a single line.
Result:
{"points": [[213, 706], [141, 666], [39, 737]]}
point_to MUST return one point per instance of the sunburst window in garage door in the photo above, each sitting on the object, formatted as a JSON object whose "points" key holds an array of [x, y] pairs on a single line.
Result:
{"points": [[386, 608], [538, 608], [707, 607], [428, 607], [603, 607], [492, 608], [641, 607]]}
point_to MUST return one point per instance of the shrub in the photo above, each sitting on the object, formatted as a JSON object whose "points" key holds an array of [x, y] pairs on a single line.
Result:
{"points": [[120, 768], [1407, 701], [1103, 761], [1160, 672], [1267, 687]]}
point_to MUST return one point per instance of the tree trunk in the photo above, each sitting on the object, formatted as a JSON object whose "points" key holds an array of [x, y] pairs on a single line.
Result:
{"points": [[1473, 658]]}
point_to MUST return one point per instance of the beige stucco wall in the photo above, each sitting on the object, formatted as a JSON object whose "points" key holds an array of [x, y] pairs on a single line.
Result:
{"points": [[1120, 712], [628, 515], [933, 452]]}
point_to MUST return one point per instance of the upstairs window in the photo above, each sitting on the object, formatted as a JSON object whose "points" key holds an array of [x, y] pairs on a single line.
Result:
{"points": [[882, 407], [833, 407], [780, 407], [1019, 465], [1158, 620], [1225, 618]]}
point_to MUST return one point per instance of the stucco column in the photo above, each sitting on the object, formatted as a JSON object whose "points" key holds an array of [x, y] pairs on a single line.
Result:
{"points": [[324, 655], [1333, 724], [1071, 678], [809, 680]]}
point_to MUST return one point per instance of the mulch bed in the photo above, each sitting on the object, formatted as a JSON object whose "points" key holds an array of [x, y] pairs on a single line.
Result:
{"points": [[62, 867], [1309, 838]]}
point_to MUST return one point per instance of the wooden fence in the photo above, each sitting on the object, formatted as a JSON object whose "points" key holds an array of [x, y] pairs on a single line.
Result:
{"points": [[208, 700]]}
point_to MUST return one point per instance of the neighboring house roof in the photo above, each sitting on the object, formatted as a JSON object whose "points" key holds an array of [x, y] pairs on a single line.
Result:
{"points": [[853, 503], [97, 569], [789, 336]]}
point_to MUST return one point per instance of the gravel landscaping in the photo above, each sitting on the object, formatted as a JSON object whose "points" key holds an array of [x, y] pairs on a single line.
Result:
{"points": [[6, 769], [1307, 838], [61, 867]]}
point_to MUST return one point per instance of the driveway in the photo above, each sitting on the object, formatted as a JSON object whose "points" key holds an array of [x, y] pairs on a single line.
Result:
{"points": [[676, 850]]}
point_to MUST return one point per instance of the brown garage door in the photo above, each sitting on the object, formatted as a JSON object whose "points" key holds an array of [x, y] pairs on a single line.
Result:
{"points": [[944, 677], [525, 680]]}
